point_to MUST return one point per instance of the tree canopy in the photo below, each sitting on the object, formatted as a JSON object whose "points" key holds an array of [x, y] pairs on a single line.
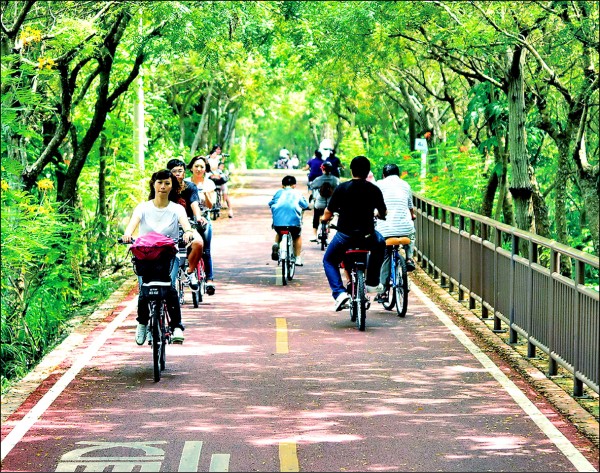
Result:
{"points": [[504, 93]]}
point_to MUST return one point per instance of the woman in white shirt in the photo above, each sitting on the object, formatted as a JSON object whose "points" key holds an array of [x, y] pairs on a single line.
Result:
{"points": [[162, 215], [206, 197]]}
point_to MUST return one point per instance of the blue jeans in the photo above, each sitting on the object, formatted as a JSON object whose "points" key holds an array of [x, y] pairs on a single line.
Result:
{"points": [[208, 264], [172, 302], [335, 254]]}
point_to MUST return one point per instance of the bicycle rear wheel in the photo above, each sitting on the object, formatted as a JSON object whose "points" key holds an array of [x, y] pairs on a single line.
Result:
{"points": [[390, 302], [361, 300], [291, 260], [401, 288], [164, 341], [323, 236]]}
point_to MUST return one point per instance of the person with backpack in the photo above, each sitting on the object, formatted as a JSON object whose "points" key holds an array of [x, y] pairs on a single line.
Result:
{"points": [[322, 187], [161, 214]]}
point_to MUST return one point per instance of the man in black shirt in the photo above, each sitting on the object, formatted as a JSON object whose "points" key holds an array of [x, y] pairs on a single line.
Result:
{"points": [[355, 201]]}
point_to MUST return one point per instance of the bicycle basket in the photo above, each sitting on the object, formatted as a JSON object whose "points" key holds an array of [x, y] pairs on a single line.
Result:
{"points": [[154, 270]]}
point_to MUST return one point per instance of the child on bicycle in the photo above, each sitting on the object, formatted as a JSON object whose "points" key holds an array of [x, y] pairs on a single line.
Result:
{"points": [[286, 207]]}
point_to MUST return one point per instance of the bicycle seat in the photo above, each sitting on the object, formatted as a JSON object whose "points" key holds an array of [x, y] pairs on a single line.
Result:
{"points": [[396, 241]]}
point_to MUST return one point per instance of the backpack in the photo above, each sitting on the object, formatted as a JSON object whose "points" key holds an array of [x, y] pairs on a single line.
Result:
{"points": [[325, 190], [152, 246]]}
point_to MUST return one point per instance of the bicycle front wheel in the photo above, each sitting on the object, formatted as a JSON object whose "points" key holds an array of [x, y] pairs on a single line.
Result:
{"points": [[401, 288], [156, 339], [163, 333], [361, 300], [180, 287]]}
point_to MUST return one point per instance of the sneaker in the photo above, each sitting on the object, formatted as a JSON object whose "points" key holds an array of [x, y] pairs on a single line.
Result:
{"points": [[314, 240], [140, 334], [230, 214], [210, 288], [341, 300], [192, 280], [410, 265], [149, 337], [299, 261], [379, 288], [381, 298], [275, 252], [177, 336]]}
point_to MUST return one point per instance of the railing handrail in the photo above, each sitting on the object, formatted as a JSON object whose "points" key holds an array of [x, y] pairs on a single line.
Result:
{"points": [[540, 240]]}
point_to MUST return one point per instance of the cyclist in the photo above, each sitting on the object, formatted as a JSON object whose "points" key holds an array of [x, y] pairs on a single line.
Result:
{"points": [[336, 163], [206, 197], [321, 200], [286, 207], [222, 175], [356, 202], [163, 215], [397, 195], [188, 194]]}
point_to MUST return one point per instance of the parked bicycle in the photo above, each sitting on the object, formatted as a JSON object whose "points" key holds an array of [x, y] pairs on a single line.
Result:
{"points": [[397, 286], [156, 281], [287, 258]]}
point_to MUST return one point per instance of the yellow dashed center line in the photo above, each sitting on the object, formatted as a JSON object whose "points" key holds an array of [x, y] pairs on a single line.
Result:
{"points": [[288, 458], [281, 339]]}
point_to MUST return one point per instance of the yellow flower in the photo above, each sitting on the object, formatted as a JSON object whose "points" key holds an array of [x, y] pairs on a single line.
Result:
{"points": [[45, 184]]}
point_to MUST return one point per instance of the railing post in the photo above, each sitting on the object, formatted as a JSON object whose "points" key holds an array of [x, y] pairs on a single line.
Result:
{"points": [[512, 333], [533, 249], [451, 223], [443, 281], [484, 237], [554, 264], [497, 244], [579, 280], [471, 264], [461, 227]]}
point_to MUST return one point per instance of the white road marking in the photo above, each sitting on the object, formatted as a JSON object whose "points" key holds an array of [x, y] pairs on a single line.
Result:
{"points": [[190, 458], [219, 462], [563, 444], [23, 426]]}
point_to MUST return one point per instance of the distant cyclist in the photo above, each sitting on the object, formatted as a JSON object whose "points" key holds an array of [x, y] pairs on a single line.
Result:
{"points": [[397, 195], [286, 208], [356, 202], [322, 188]]}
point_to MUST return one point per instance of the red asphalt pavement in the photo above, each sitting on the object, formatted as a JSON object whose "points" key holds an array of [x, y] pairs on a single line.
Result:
{"points": [[270, 378]]}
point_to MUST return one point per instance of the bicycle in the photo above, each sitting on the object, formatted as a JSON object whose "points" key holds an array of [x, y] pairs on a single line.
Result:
{"points": [[182, 282], [215, 211], [154, 289], [287, 260], [397, 286], [323, 235], [356, 259]]}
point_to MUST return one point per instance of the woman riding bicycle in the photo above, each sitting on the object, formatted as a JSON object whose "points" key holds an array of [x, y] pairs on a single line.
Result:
{"points": [[206, 196], [163, 215], [188, 194], [355, 201]]}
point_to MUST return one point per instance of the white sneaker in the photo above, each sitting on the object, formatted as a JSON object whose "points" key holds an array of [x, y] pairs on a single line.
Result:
{"points": [[340, 301], [299, 261], [192, 280], [140, 334], [177, 335], [377, 289]]}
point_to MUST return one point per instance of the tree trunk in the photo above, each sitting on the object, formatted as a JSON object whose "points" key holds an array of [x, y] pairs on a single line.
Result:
{"points": [[520, 186], [202, 124]]}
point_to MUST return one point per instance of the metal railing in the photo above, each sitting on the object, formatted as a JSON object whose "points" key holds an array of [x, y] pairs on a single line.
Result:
{"points": [[520, 279]]}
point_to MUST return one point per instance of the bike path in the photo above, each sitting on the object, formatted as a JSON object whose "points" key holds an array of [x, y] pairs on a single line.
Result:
{"points": [[270, 378]]}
